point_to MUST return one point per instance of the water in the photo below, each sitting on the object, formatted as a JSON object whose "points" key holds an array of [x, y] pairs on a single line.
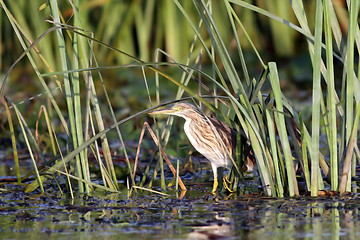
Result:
{"points": [[198, 215]]}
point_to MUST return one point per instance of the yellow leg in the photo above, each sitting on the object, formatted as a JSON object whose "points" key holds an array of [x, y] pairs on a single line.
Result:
{"points": [[225, 180], [226, 183], [216, 183]]}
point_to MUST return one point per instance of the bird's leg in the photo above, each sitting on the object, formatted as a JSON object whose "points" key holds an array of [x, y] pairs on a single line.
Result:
{"points": [[226, 182], [216, 182], [220, 171]]}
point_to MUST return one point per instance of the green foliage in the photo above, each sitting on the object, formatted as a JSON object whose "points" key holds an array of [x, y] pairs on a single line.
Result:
{"points": [[199, 48]]}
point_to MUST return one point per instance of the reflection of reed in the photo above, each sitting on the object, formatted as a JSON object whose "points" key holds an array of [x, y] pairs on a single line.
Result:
{"points": [[295, 219]]}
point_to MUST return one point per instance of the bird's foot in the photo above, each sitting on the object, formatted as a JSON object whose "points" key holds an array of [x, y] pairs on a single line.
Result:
{"points": [[215, 186], [226, 183]]}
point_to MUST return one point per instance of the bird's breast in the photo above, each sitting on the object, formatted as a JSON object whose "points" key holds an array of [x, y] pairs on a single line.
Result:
{"points": [[207, 144]]}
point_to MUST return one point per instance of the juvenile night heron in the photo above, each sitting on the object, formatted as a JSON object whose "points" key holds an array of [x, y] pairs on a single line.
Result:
{"points": [[212, 138]]}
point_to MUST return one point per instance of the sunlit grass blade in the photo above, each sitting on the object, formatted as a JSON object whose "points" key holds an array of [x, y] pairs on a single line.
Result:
{"points": [[350, 76], [274, 148], [316, 99], [284, 139], [87, 57], [68, 80], [13, 140], [150, 190], [76, 90], [331, 101]]}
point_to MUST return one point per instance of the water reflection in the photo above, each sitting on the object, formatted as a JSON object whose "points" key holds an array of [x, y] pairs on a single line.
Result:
{"points": [[197, 215], [285, 219]]}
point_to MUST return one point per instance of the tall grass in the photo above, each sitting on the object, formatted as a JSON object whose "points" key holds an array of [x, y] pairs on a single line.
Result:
{"points": [[64, 53], [321, 122]]}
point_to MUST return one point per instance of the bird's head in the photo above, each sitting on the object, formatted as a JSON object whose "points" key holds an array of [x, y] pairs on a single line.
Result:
{"points": [[185, 110]]}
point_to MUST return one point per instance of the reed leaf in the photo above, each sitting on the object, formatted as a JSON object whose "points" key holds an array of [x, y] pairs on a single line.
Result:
{"points": [[331, 100], [13, 141], [351, 81], [281, 126], [316, 96]]}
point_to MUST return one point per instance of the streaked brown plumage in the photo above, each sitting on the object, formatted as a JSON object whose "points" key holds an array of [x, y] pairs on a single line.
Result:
{"points": [[212, 138]]}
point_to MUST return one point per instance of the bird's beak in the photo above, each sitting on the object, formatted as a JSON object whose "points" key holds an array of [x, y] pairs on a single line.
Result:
{"points": [[167, 111]]}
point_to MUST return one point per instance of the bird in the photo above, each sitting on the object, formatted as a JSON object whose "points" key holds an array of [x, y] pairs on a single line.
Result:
{"points": [[214, 139]]}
